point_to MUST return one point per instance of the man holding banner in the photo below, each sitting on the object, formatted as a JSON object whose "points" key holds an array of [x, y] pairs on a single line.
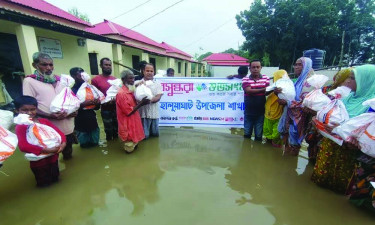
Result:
{"points": [[254, 87]]}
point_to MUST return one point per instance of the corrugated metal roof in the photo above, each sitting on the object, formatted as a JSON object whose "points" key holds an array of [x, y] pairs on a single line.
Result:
{"points": [[108, 27], [46, 7], [224, 57], [173, 49], [228, 63]]}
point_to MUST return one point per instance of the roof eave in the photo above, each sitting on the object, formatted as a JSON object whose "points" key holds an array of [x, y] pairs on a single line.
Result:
{"points": [[47, 24]]}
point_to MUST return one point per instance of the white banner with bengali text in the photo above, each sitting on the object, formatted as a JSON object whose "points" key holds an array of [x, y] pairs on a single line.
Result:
{"points": [[204, 102]]}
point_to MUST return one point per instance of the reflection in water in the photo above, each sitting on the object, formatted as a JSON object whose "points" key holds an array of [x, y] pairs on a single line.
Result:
{"points": [[198, 149], [186, 176]]}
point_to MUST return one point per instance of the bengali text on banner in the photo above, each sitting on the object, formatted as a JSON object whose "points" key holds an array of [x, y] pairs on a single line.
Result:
{"points": [[211, 102]]}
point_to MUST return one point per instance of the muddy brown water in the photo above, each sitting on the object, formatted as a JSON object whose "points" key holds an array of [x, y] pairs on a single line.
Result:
{"points": [[186, 176]]}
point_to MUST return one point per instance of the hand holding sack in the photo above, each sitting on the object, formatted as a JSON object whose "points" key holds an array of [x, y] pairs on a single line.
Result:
{"points": [[332, 114], [39, 135], [66, 100], [6, 118], [144, 91], [88, 92], [362, 128], [113, 90], [288, 92], [8, 144], [316, 100]]}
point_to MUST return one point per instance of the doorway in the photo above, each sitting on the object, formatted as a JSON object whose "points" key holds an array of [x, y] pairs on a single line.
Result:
{"points": [[11, 68]]}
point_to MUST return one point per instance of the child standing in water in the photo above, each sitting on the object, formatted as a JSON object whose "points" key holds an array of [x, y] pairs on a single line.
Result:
{"points": [[46, 170]]}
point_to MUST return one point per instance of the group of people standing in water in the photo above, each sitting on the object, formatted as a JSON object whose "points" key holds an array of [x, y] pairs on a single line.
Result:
{"points": [[123, 117], [287, 124]]}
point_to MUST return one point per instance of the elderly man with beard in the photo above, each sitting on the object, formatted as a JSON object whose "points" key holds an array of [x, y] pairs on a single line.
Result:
{"points": [[108, 110], [44, 86], [129, 121], [86, 124]]}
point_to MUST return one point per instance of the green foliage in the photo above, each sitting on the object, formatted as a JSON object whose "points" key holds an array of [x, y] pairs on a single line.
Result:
{"points": [[240, 52], [83, 16], [199, 58], [266, 59], [280, 30]]}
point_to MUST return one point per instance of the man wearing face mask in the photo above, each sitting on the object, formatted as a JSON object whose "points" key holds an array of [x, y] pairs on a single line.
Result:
{"points": [[86, 124], [108, 110], [44, 86]]}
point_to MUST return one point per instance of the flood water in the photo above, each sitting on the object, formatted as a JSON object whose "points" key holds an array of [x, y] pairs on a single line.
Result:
{"points": [[186, 176]]}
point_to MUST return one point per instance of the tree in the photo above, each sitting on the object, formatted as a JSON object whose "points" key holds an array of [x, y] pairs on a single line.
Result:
{"points": [[281, 29], [240, 52], [83, 16], [204, 55]]}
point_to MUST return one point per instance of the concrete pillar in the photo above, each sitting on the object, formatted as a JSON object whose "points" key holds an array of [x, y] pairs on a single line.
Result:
{"points": [[170, 63], [196, 69], [145, 57], [116, 56], [28, 45], [188, 69]]}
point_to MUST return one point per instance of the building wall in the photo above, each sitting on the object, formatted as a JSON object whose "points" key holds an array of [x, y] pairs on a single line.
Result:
{"points": [[161, 62], [73, 55], [128, 53], [103, 49], [182, 72], [7, 27]]}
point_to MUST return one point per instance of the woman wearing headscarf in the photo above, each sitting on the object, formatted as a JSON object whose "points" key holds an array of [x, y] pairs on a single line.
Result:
{"points": [[338, 80], [335, 164], [273, 112], [295, 120], [313, 138]]}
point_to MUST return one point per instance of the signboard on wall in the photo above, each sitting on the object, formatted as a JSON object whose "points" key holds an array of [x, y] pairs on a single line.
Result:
{"points": [[51, 47]]}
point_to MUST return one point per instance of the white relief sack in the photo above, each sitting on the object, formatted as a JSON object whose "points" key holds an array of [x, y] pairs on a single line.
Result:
{"points": [[354, 127], [38, 134], [89, 92], [331, 114], [6, 118], [340, 92], [370, 102], [66, 100], [113, 90], [367, 140], [8, 144], [288, 92], [144, 91], [315, 99]]}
